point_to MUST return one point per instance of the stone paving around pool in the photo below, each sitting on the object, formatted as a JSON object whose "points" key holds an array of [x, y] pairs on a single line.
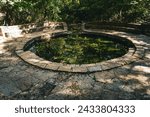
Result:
{"points": [[20, 80]]}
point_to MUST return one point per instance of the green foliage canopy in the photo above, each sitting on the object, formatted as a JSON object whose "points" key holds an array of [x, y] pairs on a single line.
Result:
{"points": [[72, 11]]}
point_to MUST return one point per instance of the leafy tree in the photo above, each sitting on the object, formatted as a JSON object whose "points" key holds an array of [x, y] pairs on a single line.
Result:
{"points": [[73, 11]]}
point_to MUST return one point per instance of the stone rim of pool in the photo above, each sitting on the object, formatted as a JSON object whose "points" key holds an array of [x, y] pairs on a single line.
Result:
{"points": [[132, 55]]}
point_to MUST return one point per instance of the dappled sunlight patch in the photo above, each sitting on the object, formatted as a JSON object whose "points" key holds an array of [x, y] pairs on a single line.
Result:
{"points": [[141, 42], [1, 39], [148, 91], [11, 31], [139, 68], [33, 60], [2, 48], [147, 55], [132, 85], [140, 77]]}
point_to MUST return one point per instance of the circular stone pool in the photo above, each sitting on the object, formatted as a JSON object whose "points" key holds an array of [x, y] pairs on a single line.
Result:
{"points": [[80, 48], [79, 53]]}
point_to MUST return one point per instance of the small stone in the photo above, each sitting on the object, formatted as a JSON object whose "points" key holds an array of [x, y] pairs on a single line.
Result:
{"points": [[94, 68]]}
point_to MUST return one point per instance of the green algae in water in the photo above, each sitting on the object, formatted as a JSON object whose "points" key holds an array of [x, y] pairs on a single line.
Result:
{"points": [[80, 49]]}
